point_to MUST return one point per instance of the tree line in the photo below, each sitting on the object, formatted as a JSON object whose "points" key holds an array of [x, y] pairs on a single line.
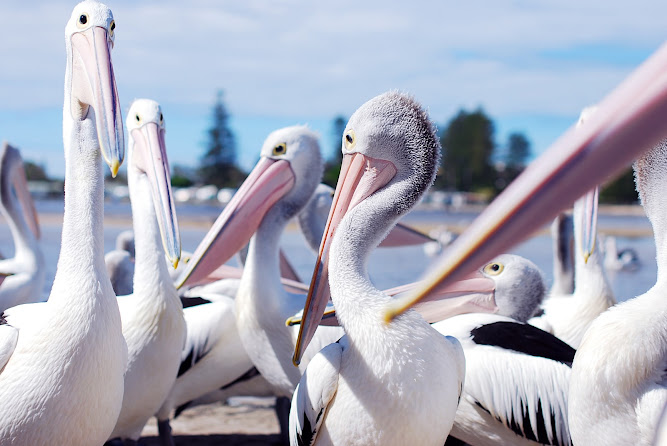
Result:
{"points": [[472, 158]]}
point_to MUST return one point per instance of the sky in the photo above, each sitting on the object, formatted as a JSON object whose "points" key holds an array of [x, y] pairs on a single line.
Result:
{"points": [[531, 65]]}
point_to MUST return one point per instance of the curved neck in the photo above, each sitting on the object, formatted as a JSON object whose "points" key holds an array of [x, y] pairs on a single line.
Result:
{"points": [[262, 267], [356, 299], [82, 250], [150, 270]]}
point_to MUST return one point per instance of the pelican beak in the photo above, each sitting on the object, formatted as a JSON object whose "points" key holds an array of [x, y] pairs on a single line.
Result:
{"points": [[94, 86], [27, 204], [403, 235], [360, 176], [473, 294], [268, 182], [589, 223], [628, 122], [150, 156]]}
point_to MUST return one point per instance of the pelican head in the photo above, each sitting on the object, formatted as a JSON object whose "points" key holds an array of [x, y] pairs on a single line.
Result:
{"points": [[90, 85], [629, 121], [147, 155], [390, 149], [13, 183], [288, 171]]}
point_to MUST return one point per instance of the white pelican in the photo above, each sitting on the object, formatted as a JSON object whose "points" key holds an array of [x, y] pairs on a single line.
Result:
{"points": [[381, 384], [617, 381], [281, 183], [626, 259], [27, 267], [153, 323], [64, 359], [562, 236], [568, 316], [618, 388], [516, 383]]}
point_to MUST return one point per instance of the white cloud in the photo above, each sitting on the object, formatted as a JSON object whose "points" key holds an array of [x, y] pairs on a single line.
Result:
{"points": [[290, 58]]}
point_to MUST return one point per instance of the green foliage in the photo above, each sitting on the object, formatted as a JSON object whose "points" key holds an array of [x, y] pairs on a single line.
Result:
{"points": [[620, 191], [518, 151], [182, 176], [218, 165], [468, 145], [35, 172], [332, 166]]}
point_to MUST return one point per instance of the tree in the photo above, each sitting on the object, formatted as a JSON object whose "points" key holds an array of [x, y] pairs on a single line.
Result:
{"points": [[35, 172], [518, 151], [516, 154], [620, 191], [182, 176], [468, 145], [332, 166], [218, 165]]}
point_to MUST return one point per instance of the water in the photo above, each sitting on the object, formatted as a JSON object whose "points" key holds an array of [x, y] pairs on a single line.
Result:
{"points": [[388, 267]]}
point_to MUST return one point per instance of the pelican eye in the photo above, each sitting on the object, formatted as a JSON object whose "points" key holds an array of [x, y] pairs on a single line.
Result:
{"points": [[112, 28], [280, 149], [161, 118], [493, 269], [137, 118], [83, 20], [349, 140]]}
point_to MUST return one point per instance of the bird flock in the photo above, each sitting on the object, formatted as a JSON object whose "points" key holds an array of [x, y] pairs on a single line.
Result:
{"points": [[478, 352]]}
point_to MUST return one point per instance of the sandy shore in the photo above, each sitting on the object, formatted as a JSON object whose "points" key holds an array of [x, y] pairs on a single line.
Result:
{"points": [[252, 423]]}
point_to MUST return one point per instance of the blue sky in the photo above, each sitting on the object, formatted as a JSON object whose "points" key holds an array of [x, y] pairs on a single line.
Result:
{"points": [[531, 65]]}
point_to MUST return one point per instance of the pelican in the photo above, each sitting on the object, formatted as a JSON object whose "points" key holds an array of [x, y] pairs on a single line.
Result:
{"points": [[516, 382], [153, 322], [383, 384], [568, 316], [63, 360], [562, 236], [618, 377], [626, 259], [617, 388], [27, 267], [279, 186]]}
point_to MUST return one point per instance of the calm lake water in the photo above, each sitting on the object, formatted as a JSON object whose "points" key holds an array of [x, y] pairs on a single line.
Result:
{"points": [[388, 266]]}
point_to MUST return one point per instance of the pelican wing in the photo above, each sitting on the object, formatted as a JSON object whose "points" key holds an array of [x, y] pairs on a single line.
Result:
{"points": [[519, 375], [9, 336], [312, 396], [206, 324]]}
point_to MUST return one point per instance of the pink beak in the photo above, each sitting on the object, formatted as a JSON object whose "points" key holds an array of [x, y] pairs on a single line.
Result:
{"points": [[269, 181]]}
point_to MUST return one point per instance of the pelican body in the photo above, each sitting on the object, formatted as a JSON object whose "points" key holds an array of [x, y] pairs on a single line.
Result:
{"points": [[618, 388], [63, 360], [26, 269], [153, 323], [381, 384]]}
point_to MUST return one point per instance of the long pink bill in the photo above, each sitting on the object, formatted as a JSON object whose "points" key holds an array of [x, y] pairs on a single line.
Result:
{"points": [[590, 220], [473, 294], [94, 84], [360, 177], [150, 155], [628, 122], [269, 181]]}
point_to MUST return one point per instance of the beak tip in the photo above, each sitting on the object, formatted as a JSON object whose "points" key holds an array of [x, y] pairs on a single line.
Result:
{"points": [[295, 361], [175, 262], [115, 165]]}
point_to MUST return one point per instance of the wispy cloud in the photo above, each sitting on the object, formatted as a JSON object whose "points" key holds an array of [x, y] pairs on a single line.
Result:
{"points": [[297, 59]]}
